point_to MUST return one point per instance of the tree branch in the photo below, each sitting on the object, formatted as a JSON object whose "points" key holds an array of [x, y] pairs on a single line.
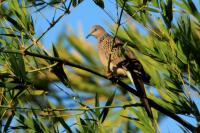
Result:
{"points": [[69, 109], [118, 82]]}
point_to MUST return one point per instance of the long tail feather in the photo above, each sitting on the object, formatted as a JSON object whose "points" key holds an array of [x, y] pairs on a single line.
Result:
{"points": [[139, 84]]}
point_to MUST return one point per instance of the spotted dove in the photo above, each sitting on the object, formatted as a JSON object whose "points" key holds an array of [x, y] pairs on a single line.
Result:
{"points": [[123, 62]]}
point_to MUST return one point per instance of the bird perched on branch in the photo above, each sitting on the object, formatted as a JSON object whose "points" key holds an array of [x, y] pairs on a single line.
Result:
{"points": [[121, 61]]}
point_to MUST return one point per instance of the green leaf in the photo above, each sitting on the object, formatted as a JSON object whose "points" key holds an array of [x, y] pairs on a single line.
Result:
{"points": [[130, 118], [22, 120], [37, 126], [83, 123], [38, 3], [105, 111], [38, 92], [167, 13], [14, 23], [142, 121], [79, 1], [18, 66], [19, 93], [145, 2], [153, 9], [87, 125], [64, 124], [55, 52], [74, 3], [8, 122], [13, 35], [100, 3], [192, 6], [196, 111], [58, 69], [10, 85], [54, 2], [97, 111]]}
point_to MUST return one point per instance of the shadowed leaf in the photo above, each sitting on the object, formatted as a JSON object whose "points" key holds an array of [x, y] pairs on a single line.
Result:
{"points": [[100, 3], [8, 122], [58, 69], [105, 111], [64, 124]]}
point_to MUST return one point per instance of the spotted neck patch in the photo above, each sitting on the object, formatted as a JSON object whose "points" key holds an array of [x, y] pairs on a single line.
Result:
{"points": [[103, 37]]}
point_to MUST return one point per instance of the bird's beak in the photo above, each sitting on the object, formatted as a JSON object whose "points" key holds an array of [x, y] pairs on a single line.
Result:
{"points": [[90, 34]]}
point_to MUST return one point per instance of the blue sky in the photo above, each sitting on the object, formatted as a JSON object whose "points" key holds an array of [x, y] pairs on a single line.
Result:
{"points": [[84, 16]]}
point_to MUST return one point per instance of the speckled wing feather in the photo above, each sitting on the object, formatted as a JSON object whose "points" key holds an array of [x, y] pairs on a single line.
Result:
{"points": [[120, 57], [105, 49]]}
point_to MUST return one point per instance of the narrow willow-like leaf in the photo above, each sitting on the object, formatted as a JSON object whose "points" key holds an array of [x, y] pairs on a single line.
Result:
{"points": [[97, 111], [58, 69], [37, 126], [64, 124], [100, 3], [55, 52], [18, 66], [14, 23], [8, 122], [105, 111]]}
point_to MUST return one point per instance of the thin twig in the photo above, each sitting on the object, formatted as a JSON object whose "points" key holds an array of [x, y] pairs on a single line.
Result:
{"points": [[115, 35], [52, 24], [69, 109], [109, 15], [43, 68]]}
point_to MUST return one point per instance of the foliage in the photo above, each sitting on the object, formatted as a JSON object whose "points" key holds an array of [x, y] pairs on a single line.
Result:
{"points": [[50, 88]]}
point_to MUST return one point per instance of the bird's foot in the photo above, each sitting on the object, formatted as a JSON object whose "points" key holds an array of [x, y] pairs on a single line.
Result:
{"points": [[112, 77]]}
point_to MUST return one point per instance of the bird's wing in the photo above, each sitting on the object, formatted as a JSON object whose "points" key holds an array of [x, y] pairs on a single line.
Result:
{"points": [[127, 51]]}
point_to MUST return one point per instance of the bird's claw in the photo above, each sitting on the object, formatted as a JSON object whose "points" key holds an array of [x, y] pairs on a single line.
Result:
{"points": [[112, 77]]}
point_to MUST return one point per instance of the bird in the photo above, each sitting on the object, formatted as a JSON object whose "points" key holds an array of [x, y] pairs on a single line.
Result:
{"points": [[122, 62]]}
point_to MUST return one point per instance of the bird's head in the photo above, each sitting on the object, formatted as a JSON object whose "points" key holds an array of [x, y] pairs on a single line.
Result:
{"points": [[96, 31]]}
